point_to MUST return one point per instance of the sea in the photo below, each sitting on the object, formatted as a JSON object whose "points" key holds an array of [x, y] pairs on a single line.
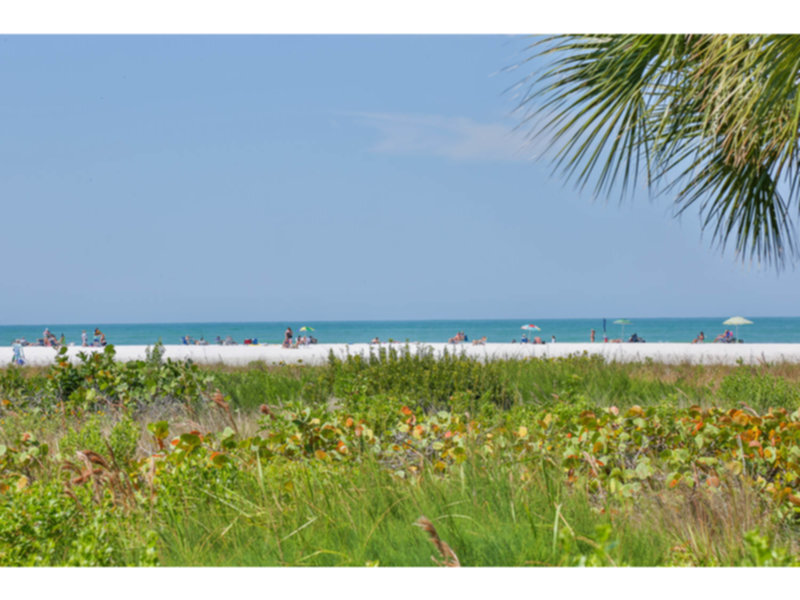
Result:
{"points": [[652, 330]]}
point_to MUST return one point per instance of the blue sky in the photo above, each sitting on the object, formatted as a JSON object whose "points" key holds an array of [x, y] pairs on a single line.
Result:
{"points": [[244, 178]]}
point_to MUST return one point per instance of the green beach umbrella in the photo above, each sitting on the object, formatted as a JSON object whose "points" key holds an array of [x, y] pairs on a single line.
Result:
{"points": [[736, 321], [622, 322], [306, 328]]}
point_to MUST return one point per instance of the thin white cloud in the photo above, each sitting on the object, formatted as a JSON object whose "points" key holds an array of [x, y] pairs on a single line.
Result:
{"points": [[455, 138]]}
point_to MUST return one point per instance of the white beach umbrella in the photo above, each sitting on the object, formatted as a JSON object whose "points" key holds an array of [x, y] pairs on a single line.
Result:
{"points": [[736, 321], [622, 322]]}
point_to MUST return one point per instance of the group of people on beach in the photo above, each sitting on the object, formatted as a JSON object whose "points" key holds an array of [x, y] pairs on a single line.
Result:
{"points": [[288, 337], [49, 340], [188, 340], [726, 337], [302, 340]]}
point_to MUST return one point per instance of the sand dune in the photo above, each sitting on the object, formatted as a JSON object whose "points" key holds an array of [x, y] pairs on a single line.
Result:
{"points": [[318, 354]]}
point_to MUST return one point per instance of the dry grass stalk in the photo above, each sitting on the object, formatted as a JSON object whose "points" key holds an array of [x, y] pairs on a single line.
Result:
{"points": [[449, 558], [93, 467], [219, 400]]}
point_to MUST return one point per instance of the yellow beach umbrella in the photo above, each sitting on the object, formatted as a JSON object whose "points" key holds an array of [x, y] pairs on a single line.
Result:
{"points": [[736, 321]]}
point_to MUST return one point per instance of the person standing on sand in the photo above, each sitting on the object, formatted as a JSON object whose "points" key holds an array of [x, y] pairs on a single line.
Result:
{"points": [[591, 336], [287, 338], [84, 339], [19, 356]]}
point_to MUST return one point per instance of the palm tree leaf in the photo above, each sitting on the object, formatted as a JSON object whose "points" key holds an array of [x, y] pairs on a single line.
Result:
{"points": [[715, 117]]}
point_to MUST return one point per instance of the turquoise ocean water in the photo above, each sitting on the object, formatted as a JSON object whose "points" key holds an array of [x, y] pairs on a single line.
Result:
{"points": [[764, 330]]}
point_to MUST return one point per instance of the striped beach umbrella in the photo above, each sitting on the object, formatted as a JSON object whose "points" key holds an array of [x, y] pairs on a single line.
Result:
{"points": [[530, 327]]}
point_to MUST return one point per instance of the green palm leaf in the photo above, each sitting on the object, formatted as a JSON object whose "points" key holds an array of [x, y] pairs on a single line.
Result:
{"points": [[713, 119]]}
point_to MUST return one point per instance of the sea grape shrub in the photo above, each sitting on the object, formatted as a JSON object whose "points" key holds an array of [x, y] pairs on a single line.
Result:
{"points": [[21, 461], [20, 386], [100, 381], [312, 432]]}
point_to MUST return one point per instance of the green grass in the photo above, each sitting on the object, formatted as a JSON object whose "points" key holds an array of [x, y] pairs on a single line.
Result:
{"points": [[508, 499]]}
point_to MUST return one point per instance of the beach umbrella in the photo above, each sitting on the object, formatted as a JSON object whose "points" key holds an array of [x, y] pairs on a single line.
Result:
{"points": [[306, 328], [530, 327], [622, 322], [736, 321]]}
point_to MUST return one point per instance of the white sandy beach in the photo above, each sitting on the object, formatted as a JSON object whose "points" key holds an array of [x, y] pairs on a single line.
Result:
{"points": [[241, 355]]}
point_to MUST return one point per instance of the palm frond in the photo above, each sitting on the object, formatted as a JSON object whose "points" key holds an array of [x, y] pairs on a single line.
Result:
{"points": [[715, 117]]}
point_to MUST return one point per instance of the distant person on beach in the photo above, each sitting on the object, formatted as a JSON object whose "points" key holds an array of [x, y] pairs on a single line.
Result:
{"points": [[50, 339], [479, 342], [523, 339], [537, 340], [635, 339], [99, 338], [725, 337], [375, 340], [552, 339], [218, 340], [457, 338], [19, 356], [605, 338], [699, 339], [591, 336], [287, 338], [84, 339]]}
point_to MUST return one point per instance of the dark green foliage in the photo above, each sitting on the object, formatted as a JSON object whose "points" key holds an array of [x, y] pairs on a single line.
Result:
{"points": [[98, 380]]}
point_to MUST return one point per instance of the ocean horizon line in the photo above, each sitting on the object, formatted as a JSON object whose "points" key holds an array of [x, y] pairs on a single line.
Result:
{"points": [[392, 320]]}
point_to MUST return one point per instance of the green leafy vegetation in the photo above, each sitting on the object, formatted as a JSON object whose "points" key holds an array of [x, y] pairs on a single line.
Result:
{"points": [[397, 459]]}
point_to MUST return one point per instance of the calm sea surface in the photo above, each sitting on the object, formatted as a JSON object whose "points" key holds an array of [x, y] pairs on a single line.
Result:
{"points": [[765, 330]]}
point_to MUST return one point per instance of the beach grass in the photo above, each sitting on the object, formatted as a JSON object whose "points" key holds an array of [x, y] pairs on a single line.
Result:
{"points": [[393, 460]]}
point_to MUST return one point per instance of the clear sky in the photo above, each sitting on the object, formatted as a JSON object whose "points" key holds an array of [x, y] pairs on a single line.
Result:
{"points": [[264, 178]]}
